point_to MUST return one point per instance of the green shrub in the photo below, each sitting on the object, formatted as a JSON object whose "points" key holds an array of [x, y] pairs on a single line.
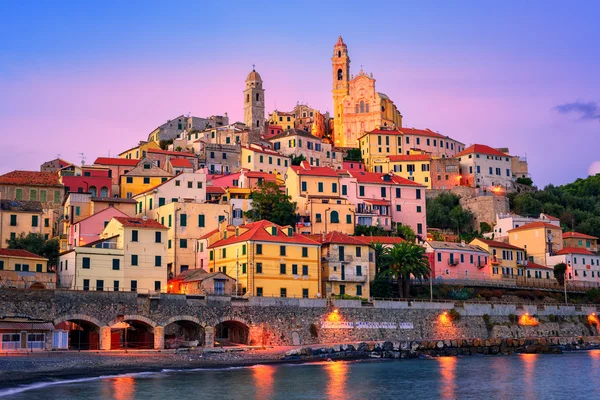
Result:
{"points": [[453, 315]]}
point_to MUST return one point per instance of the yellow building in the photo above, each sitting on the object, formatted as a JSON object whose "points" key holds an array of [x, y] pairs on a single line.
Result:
{"points": [[187, 222], [316, 191], [285, 120], [22, 269], [414, 167], [506, 260], [537, 239], [266, 259], [345, 266], [131, 256], [357, 106], [23, 217], [262, 159], [144, 176], [378, 144], [139, 151]]}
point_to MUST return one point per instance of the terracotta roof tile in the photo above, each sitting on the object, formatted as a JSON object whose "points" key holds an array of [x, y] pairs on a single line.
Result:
{"points": [[180, 163], [568, 235], [19, 253], [494, 243], [172, 153], [380, 239], [30, 178], [534, 225], [306, 169], [337, 238], [129, 162], [140, 222], [257, 231], [482, 149], [574, 250], [378, 178]]}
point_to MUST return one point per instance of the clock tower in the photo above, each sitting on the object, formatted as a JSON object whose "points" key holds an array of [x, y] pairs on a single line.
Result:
{"points": [[341, 75]]}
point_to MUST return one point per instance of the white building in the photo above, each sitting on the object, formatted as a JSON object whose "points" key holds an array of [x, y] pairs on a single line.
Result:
{"points": [[506, 222], [582, 264], [296, 142], [485, 167]]}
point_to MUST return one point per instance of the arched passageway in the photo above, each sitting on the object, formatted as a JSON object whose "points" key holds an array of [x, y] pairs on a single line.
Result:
{"points": [[132, 334], [229, 333], [183, 334], [83, 335]]}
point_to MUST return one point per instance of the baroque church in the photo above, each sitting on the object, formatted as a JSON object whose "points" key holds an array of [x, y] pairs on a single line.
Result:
{"points": [[357, 106]]}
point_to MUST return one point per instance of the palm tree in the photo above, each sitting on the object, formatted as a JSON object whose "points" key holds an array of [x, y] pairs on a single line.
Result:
{"points": [[405, 260], [381, 258]]}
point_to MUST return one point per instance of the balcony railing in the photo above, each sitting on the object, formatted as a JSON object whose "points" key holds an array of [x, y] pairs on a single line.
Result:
{"points": [[337, 277]]}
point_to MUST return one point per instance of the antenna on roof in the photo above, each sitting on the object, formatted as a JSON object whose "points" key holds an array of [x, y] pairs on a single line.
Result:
{"points": [[82, 158]]}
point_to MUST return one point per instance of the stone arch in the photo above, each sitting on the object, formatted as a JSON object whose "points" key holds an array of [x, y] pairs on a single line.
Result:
{"points": [[135, 317], [189, 318], [104, 191], [80, 317], [232, 331], [93, 191]]}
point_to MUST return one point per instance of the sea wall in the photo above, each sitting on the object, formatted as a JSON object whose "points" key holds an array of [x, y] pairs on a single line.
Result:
{"points": [[280, 321]]}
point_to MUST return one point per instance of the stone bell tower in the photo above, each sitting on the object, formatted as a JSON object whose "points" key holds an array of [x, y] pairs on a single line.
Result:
{"points": [[341, 74], [254, 102]]}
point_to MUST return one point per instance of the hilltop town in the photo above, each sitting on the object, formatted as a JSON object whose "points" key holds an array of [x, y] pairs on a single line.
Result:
{"points": [[295, 203]]}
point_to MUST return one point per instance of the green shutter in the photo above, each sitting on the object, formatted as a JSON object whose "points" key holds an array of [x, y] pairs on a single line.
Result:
{"points": [[201, 221], [183, 220]]}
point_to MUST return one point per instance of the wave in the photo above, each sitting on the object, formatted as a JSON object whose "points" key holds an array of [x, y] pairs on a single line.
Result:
{"points": [[41, 385]]}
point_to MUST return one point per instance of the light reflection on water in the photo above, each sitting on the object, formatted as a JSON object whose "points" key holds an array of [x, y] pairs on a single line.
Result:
{"points": [[573, 376]]}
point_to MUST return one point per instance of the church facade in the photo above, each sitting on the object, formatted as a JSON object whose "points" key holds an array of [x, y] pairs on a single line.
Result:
{"points": [[357, 106]]}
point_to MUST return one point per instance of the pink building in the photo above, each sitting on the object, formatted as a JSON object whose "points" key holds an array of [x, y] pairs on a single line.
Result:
{"points": [[87, 179], [88, 229], [457, 261], [385, 199], [117, 167], [353, 166], [273, 130]]}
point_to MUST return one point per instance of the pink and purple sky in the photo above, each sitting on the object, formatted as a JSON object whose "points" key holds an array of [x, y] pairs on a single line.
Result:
{"points": [[96, 79]]}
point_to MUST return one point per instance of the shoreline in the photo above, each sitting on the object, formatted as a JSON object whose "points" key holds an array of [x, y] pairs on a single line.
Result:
{"points": [[20, 370]]}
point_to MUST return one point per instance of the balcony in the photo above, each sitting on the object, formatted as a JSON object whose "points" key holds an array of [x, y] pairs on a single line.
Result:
{"points": [[337, 277], [452, 263]]}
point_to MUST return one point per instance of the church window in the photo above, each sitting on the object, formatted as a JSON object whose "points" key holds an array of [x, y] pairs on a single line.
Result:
{"points": [[382, 108], [257, 97], [339, 53], [362, 106], [367, 107], [340, 74], [257, 123], [247, 98], [357, 108]]}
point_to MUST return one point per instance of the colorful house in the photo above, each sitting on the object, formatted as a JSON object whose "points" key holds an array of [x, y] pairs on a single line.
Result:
{"points": [[319, 200], [485, 167], [95, 180], [583, 266], [200, 282], [263, 159], [117, 167], [384, 200], [265, 259], [88, 229], [580, 240], [140, 151], [457, 261], [22, 269], [22, 217], [296, 142], [345, 265], [162, 159], [538, 239], [506, 260], [144, 176], [130, 256]]}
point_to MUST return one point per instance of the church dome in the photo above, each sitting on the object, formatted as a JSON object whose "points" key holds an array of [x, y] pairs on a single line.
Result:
{"points": [[340, 42], [254, 76]]}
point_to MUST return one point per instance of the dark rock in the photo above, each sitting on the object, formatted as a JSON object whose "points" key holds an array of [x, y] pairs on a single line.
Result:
{"points": [[388, 346]]}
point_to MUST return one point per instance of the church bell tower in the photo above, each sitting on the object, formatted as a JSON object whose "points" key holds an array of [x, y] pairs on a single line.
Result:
{"points": [[341, 75], [254, 102]]}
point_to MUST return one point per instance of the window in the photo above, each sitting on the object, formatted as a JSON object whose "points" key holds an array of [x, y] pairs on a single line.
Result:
{"points": [[361, 190], [320, 187], [305, 293], [283, 292], [116, 264], [19, 194], [348, 218], [210, 255], [340, 74], [13, 220], [134, 260], [134, 236], [158, 237], [418, 209], [259, 268], [334, 187], [259, 292], [359, 290], [359, 270], [85, 263], [334, 217], [344, 190], [115, 286], [259, 249], [304, 186], [282, 250], [157, 261], [439, 257], [419, 229], [146, 180], [418, 194], [305, 270], [100, 285], [134, 286], [183, 243], [342, 290], [318, 217], [183, 220], [294, 269], [282, 269]]}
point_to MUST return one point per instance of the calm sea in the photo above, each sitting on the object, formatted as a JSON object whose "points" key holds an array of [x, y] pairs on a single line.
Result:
{"points": [[567, 376]]}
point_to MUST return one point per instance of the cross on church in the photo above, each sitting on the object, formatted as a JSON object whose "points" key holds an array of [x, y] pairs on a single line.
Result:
{"points": [[253, 67]]}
